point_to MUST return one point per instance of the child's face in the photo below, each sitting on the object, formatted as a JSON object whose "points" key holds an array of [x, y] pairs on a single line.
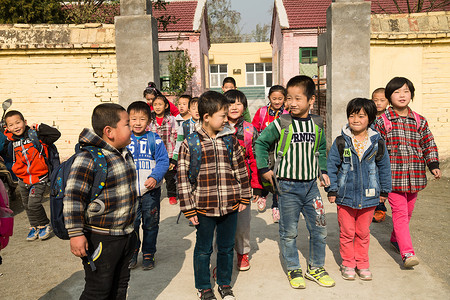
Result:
{"points": [[193, 110], [159, 106], [217, 121], [401, 97], [235, 111], [149, 98], [358, 122], [183, 106], [276, 100], [16, 125], [228, 86], [380, 101], [299, 104], [138, 122], [121, 133]]}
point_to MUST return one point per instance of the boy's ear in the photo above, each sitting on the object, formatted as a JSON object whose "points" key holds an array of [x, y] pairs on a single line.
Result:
{"points": [[206, 118], [25, 122], [312, 100], [108, 133]]}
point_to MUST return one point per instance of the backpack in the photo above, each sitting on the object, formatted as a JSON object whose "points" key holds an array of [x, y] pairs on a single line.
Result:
{"points": [[284, 144], [388, 123], [340, 143], [195, 150], [58, 186], [186, 128], [263, 112], [52, 160], [6, 218]]}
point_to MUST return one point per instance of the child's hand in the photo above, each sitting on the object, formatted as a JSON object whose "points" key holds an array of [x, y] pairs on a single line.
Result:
{"points": [[268, 176], [326, 180], [79, 245], [437, 173], [150, 183], [194, 220], [171, 166], [255, 197], [35, 126], [383, 199], [242, 207], [331, 199]]}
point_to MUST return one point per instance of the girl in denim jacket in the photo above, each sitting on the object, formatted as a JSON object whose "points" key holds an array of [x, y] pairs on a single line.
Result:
{"points": [[360, 177]]}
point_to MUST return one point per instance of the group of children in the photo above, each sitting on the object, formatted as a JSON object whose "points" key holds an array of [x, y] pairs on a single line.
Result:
{"points": [[214, 162]]}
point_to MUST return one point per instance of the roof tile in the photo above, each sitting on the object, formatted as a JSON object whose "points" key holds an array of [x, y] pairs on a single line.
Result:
{"points": [[183, 11]]}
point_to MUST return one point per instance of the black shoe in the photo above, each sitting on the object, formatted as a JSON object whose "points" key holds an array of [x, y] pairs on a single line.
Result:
{"points": [[226, 293], [206, 294], [148, 262], [133, 260]]}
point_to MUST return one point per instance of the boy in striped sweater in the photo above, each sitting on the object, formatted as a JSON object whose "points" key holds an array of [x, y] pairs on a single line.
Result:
{"points": [[298, 191]]}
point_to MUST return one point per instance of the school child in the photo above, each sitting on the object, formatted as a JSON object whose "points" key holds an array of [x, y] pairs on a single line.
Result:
{"points": [[31, 168], [297, 184], [187, 127], [381, 103], [246, 134], [263, 117], [102, 231], [411, 147], [183, 108], [360, 178], [165, 126], [213, 187], [150, 94], [152, 163], [230, 84]]}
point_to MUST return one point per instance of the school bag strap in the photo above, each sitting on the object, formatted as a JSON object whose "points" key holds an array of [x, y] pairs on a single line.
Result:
{"points": [[186, 128], [195, 151], [318, 128], [52, 160], [151, 142], [248, 134], [388, 123], [340, 143]]}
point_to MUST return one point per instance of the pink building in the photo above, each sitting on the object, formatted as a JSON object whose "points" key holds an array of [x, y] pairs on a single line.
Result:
{"points": [[189, 33]]}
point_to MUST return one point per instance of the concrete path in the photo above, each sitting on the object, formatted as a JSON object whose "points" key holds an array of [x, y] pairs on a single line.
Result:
{"points": [[173, 276]]}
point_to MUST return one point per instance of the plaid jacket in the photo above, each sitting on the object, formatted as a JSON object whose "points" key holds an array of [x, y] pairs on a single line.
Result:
{"points": [[220, 188], [118, 195], [409, 150], [167, 131]]}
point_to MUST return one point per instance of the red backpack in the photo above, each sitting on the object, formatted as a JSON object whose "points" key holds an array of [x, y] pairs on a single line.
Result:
{"points": [[6, 218]]}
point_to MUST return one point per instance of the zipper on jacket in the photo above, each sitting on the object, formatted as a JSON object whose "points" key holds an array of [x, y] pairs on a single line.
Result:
{"points": [[24, 152], [217, 175]]}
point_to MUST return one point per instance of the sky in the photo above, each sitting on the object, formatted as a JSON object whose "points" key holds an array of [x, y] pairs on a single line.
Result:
{"points": [[253, 12]]}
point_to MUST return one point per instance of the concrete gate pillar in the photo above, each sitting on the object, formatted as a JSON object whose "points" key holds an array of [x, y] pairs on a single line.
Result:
{"points": [[137, 51], [347, 59]]}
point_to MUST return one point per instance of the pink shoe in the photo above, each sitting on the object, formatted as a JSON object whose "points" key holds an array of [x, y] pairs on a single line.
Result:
{"points": [[261, 203], [364, 274], [275, 214]]}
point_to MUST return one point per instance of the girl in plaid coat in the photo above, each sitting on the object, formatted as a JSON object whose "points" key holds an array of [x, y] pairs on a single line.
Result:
{"points": [[165, 126], [411, 147]]}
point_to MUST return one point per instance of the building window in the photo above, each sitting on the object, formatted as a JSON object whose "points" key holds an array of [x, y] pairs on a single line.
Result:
{"points": [[259, 74], [217, 74], [308, 55]]}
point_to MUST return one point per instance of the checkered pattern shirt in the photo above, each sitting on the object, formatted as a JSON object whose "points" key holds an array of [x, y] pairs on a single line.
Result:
{"points": [[167, 131], [410, 150], [221, 186]]}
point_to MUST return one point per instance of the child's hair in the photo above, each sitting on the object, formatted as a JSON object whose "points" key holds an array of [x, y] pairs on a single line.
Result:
{"points": [[192, 101], [355, 106], [166, 104], [106, 114], [229, 80], [186, 97], [235, 95], [140, 106], [211, 102], [305, 82], [14, 113], [277, 88], [378, 90], [151, 89], [395, 84]]}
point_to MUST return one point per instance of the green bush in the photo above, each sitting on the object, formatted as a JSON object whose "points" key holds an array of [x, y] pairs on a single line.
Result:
{"points": [[31, 11]]}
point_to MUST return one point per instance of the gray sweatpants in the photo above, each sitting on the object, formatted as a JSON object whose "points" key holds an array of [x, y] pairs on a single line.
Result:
{"points": [[32, 198], [242, 239]]}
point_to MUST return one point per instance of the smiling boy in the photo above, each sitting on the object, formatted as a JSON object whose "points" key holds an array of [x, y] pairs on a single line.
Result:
{"points": [[297, 183]]}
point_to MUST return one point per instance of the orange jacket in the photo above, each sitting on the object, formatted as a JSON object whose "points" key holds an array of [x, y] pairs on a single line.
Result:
{"points": [[29, 164]]}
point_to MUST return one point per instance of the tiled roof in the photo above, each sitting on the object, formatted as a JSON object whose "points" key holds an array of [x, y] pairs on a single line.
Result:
{"points": [[313, 13], [183, 11]]}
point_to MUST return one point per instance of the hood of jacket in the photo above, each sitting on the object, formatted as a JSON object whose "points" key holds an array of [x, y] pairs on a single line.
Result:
{"points": [[346, 132], [89, 138], [12, 137]]}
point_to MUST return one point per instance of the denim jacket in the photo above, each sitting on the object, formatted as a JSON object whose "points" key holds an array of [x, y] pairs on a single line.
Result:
{"points": [[358, 183]]}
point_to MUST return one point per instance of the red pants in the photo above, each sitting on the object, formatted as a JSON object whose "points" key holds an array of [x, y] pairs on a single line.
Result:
{"points": [[354, 235]]}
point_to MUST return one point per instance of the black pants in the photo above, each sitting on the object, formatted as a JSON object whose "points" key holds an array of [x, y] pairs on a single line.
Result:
{"points": [[110, 280], [171, 183]]}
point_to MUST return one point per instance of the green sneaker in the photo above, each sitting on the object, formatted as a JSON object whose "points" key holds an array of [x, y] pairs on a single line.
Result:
{"points": [[296, 279], [320, 276]]}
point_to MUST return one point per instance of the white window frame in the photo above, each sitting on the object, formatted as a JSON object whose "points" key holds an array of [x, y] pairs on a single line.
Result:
{"points": [[219, 75], [253, 73]]}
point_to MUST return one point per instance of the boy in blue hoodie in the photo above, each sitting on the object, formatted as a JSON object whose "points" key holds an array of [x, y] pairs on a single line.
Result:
{"points": [[152, 163]]}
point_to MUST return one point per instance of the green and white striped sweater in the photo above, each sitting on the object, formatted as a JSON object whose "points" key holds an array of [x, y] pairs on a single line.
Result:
{"points": [[299, 163]]}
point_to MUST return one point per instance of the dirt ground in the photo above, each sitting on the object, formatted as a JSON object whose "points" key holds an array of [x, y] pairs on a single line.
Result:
{"points": [[31, 270]]}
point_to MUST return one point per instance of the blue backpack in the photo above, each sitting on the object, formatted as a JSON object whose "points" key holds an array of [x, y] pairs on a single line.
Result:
{"points": [[52, 160], [195, 150], [58, 183]]}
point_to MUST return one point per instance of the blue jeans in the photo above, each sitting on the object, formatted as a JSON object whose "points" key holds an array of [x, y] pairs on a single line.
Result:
{"points": [[148, 210], [301, 197], [226, 229]]}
